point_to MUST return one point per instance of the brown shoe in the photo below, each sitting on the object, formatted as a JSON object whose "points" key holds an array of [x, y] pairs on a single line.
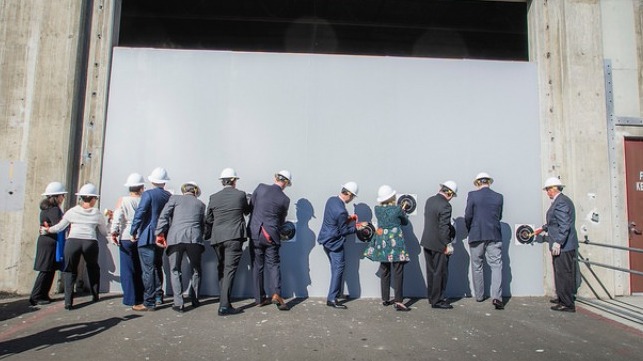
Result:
{"points": [[142, 308], [281, 304]]}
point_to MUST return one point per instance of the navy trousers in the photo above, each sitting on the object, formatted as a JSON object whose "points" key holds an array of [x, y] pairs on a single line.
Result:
{"points": [[337, 263], [131, 273], [151, 257], [265, 253]]}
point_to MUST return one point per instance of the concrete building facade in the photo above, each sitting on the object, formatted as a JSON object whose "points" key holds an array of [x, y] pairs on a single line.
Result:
{"points": [[54, 81]]}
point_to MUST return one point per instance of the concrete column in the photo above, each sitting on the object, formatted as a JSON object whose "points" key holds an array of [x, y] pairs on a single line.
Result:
{"points": [[38, 68], [566, 41]]}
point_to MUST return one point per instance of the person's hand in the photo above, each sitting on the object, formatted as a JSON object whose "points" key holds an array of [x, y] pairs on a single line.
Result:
{"points": [[448, 250], [352, 218], [555, 249], [134, 237], [161, 241], [44, 229], [115, 238], [538, 231], [361, 225]]}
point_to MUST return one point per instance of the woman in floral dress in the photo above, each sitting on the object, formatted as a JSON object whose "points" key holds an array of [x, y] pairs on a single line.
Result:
{"points": [[388, 246]]}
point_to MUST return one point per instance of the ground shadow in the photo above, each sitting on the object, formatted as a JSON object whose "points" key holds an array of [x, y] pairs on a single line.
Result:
{"points": [[458, 285], [354, 250], [295, 254], [58, 335], [414, 282], [507, 277]]}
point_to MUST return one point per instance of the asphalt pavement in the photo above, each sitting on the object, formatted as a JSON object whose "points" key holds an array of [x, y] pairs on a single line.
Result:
{"points": [[107, 330]]}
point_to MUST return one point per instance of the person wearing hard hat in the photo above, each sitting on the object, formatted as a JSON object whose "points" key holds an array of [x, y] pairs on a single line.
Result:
{"points": [[180, 231], [563, 240], [225, 227], [142, 232], [269, 206], [46, 262], [85, 219], [482, 219], [131, 274], [388, 246], [337, 224], [436, 241]]}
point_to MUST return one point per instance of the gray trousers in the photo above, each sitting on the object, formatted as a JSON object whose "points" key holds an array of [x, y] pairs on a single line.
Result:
{"points": [[175, 258], [492, 251]]}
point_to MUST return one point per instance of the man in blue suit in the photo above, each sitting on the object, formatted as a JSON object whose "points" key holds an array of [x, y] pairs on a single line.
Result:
{"points": [[482, 218], [269, 206], [332, 235], [142, 231], [563, 240]]}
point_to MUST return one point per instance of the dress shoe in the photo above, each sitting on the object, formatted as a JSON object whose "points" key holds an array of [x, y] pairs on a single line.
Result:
{"points": [[563, 308], [442, 305], [43, 302], [498, 304], [142, 308], [399, 306], [179, 309], [32, 302], [387, 303], [196, 303], [95, 299], [225, 311], [69, 307], [334, 304], [555, 300], [265, 302], [280, 302]]}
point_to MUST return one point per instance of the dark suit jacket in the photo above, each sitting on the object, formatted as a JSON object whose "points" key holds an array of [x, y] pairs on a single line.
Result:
{"points": [[147, 215], [482, 215], [269, 206], [224, 216], [561, 223], [437, 222], [335, 227]]}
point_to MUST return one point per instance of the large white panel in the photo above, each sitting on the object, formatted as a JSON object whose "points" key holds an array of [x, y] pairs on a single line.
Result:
{"points": [[408, 122]]}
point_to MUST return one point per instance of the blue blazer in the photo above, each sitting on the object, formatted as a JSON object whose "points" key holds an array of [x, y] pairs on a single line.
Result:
{"points": [[147, 215], [269, 206], [483, 214], [561, 223], [335, 226]]}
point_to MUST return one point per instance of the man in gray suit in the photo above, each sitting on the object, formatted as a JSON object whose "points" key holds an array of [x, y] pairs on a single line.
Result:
{"points": [[482, 218], [226, 227], [436, 241], [563, 240]]}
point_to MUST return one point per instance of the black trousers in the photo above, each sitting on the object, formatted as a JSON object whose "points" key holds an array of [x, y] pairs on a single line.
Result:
{"points": [[228, 257], [437, 272], [565, 277], [398, 280], [42, 286], [74, 248]]}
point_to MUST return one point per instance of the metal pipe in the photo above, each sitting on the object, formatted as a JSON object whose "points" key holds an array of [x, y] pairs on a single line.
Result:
{"points": [[631, 249], [639, 273]]}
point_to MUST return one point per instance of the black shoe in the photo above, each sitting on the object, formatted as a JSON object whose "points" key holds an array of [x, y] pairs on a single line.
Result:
{"points": [[498, 304], [264, 302], [225, 311], [334, 304], [401, 307], [43, 302], [69, 307], [387, 303], [563, 308], [196, 303], [555, 300], [95, 299], [179, 309], [32, 302], [443, 305]]}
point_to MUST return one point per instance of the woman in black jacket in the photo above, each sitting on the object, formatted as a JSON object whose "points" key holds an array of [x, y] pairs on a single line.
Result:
{"points": [[45, 262]]}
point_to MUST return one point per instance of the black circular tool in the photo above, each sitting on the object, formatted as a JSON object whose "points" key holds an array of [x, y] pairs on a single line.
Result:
{"points": [[525, 234], [407, 202], [287, 231], [365, 234]]}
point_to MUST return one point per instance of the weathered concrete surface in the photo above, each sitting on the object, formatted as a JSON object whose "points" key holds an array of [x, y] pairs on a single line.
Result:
{"points": [[107, 330]]}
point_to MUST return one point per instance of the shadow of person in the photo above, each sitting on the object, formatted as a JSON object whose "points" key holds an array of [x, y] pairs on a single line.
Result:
{"points": [[354, 250], [295, 254], [60, 334], [414, 282], [507, 235], [458, 285], [106, 260]]}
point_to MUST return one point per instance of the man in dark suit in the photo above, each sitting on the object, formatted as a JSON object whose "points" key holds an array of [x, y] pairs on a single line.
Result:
{"points": [[436, 241], [332, 235], [563, 240], [142, 231], [225, 225], [269, 206], [482, 218]]}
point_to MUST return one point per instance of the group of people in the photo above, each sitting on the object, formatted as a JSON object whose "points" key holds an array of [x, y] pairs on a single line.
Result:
{"points": [[147, 223]]}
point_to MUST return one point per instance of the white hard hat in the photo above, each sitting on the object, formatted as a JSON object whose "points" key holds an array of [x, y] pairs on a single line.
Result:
{"points": [[158, 176], [54, 189], [88, 190], [228, 173], [286, 174], [553, 182], [452, 186], [351, 187], [134, 180], [483, 175], [384, 193]]}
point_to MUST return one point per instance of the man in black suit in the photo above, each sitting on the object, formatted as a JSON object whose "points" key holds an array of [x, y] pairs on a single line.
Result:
{"points": [[563, 240], [436, 241], [225, 225], [269, 206]]}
